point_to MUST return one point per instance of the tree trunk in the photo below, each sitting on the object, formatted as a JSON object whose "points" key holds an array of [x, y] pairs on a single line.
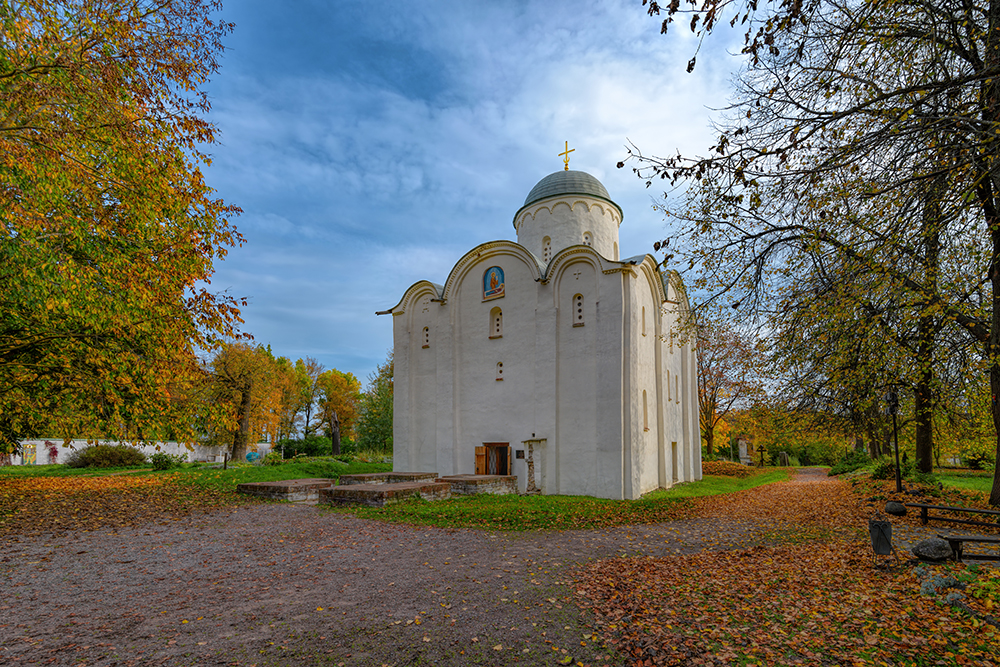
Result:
{"points": [[987, 194], [873, 443], [709, 443], [335, 433], [243, 429], [930, 229], [923, 405]]}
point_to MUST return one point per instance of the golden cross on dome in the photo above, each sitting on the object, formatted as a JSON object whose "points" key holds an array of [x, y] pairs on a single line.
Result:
{"points": [[565, 155]]}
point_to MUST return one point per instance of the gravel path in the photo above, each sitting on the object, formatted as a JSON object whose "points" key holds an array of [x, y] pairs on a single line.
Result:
{"points": [[293, 584], [281, 584]]}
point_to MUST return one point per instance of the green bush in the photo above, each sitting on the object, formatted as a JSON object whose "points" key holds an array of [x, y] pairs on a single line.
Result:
{"points": [[106, 456], [851, 461], [314, 445], [273, 459], [979, 460], [883, 469], [164, 461]]}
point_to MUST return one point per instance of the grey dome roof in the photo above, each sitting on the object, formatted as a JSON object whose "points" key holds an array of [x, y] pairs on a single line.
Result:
{"points": [[567, 183]]}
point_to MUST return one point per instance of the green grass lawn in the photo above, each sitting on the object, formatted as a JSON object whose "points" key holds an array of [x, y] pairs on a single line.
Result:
{"points": [[514, 513], [226, 480], [971, 481], [712, 485], [207, 476], [60, 470], [486, 512]]}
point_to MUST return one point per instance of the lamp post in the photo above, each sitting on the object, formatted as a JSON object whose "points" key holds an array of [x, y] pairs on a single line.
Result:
{"points": [[893, 402]]}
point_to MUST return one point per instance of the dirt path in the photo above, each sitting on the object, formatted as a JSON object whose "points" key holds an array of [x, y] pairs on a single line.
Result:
{"points": [[288, 584]]}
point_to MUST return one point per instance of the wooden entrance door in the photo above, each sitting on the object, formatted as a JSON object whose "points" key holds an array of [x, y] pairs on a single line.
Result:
{"points": [[493, 458]]}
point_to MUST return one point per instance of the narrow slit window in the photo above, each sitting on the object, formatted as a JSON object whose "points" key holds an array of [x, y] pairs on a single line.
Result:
{"points": [[427, 337], [578, 310], [499, 371], [668, 386], [496, 323], [644, 320], [645, 412], [546, 250]]}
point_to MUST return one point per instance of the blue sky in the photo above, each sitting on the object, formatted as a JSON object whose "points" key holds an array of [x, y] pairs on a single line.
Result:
{"points": [[371, 145]]}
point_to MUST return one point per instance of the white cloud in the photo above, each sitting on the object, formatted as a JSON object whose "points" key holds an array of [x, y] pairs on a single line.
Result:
{"points": [[404, 139]]}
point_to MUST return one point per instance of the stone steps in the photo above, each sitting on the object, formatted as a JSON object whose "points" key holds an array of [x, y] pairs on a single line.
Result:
{"points": [[292, 490], [379, 495], [381, 488], [388, 478]]}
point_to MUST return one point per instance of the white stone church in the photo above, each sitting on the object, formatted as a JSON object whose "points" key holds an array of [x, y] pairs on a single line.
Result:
{"points": [[551, 350]]}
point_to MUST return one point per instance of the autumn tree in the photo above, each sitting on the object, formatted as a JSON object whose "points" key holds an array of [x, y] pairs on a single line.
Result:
{"points": [[375, 419], [242, 396], [866, 132], [307, 373], [729, 362], [290, 386], [108, 231], [339, 398]]}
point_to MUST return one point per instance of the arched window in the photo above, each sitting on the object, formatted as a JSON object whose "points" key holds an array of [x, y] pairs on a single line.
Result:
{"points": [[644, 320], [668, 386], [496, 323], [499, 371], [427, 337], [588, 239], [546, 249], [578, 310]]}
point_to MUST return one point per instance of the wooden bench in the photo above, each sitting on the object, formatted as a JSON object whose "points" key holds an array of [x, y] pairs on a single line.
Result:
{"points": [[956, 543], [925, 517]]}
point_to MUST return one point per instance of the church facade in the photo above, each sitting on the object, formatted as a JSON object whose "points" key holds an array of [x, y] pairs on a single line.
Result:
{"points": [[549, 358]]}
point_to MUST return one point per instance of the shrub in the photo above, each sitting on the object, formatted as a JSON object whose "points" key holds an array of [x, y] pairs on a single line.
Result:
{"points": [[314, 445], [164, 461], [726, 469], [273, 459], [883, 469], [979, 459], [106, 456], [851, 461]]}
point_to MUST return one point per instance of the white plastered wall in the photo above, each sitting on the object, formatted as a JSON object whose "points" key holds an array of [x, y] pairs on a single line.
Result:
{"points": [[565, 221]]}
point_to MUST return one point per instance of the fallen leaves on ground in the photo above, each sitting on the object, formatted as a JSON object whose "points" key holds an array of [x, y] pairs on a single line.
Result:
{"points": [[49, 504], [819, 602], [875, 493], [804, 507]]}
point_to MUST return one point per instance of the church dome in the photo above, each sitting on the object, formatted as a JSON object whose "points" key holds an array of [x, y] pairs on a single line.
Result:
{"points": [[567, 183], [568, 208]]}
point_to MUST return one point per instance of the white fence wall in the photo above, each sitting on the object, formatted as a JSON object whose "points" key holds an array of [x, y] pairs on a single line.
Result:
{"points": [[197, 453]]}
